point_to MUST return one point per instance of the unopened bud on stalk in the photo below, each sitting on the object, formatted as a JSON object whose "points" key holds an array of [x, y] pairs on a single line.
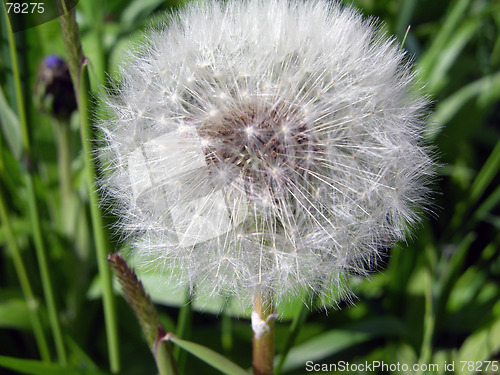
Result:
{"points": [[55, 95]]}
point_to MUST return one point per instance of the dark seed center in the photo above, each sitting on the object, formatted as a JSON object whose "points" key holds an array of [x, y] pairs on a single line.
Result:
{"points": [[268, 148]]}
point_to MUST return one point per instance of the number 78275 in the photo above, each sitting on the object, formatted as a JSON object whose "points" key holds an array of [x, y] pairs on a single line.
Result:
{"points": [[25, 8]]}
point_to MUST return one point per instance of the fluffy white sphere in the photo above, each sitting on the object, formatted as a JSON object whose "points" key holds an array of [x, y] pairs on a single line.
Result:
{"points": [[266, 144]]}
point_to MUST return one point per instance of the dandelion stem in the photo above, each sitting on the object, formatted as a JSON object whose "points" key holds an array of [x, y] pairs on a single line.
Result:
{"points": [[263, 316]]}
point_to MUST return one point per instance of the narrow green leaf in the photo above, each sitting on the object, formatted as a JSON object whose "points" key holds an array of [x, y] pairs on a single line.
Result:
{"points": [[11, 128], [492, 201], [322, 346], [14, 314], [184, 323], [486, 174], [297, 324], [137, 11], [334, 341], [208, 356], [448, 55], [481, 182], [448, 108], [406, 11], [452, 272], [28, 366], [480, 346], [450, 24]]}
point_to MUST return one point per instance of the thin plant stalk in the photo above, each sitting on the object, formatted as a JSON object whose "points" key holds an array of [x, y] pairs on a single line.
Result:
{"points": [[32, 206], [67, 209], [429, 322], [263, 317], [165, 361], [184, 329], [227, 329], [297, 324], [80, 77], [100, 233], [44, 269], [22, 275]]}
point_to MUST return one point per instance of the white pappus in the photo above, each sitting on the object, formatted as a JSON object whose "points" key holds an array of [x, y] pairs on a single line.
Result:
{"points": [[266, 144]]}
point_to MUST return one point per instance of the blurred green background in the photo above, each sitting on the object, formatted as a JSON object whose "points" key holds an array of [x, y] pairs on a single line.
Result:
{"points": [[435, 299]]}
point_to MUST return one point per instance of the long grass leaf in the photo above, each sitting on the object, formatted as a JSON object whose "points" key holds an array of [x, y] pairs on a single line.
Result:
{"points": [[32, 367], [208, 356]]}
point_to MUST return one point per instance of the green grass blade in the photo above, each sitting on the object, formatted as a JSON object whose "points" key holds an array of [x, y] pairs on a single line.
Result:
{"points": [[323, 346], [337, 340], [486, 174], [184, 329], [449, 54], [208, 356], [429, 319], [406, 10], [14, 312], [21, 113], [483, 179], [451, 273], [44, 269], [296, 326], [11, 127], [426, 63], [32, 367], [22, 275], [492, 201], [449, 107], [480, 346], [32, 206]]}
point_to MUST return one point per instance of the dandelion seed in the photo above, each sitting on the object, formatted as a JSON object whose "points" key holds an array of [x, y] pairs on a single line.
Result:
{"points": [[287, 153]]}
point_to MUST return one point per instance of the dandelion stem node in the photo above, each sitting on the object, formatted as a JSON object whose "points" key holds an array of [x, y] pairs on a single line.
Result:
{"points": [[263, 319]]}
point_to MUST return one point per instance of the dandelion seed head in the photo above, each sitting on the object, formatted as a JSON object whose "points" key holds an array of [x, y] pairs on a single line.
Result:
{"points": [[266, 145]]}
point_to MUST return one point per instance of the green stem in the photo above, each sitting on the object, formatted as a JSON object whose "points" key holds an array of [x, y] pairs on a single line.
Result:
{"points": [[22, 275], [184, 330], [33, 210], [263, 316], [100, 233], [164, 359], [17, 85], [44, 269], [79, 74], [227, 329], [67, 208], [297, 323], [429, 321]]}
